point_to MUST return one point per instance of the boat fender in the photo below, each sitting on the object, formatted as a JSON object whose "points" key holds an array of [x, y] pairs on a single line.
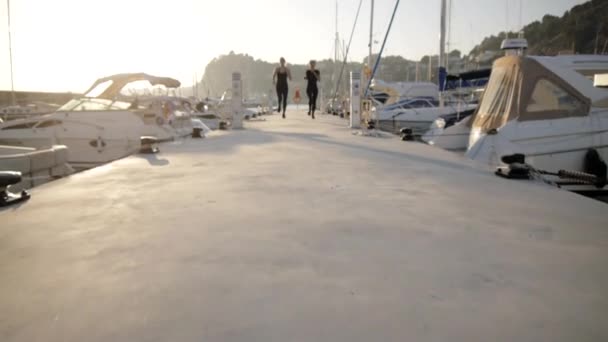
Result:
{"points": [[596, 166]]}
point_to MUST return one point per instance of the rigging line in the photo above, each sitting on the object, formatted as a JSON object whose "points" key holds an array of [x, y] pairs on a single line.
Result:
{"points": [[347, 49], [369, 82]]}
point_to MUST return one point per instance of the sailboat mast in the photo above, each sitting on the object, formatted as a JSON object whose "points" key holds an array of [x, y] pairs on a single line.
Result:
{"points": [[10, 51], [442, 60], [337, 40], [371, 36], [442, 35]]}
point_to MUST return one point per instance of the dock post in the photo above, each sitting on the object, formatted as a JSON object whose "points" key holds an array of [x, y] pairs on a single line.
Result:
{"points": [[237, 101], [355, 99]]}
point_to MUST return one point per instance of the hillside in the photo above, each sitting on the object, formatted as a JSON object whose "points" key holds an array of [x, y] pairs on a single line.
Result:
{"points": [[583, 30], [257, 74]]}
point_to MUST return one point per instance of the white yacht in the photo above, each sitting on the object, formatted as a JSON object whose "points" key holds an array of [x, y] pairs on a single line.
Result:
{"points": [[419, 115], [25, 111], [101, 126], [453, 137], [546, 108], [388, 93]]}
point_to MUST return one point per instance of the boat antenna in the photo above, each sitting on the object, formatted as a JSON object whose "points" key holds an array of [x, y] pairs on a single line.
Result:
{"points": [[390, 24], [10, 51], [347, 49]]}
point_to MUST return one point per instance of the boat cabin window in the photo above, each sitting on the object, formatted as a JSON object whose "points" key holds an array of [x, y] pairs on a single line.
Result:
{"points": [[87, 104], [48, 123], [207, 116], [419, 104], [590, 73], [549, 97], [99, 89], [25, 125]]}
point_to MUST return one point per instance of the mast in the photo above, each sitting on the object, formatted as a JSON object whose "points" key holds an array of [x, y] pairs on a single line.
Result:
{"points": [[441, 74], [336, 49], [10, 51], [337, 40], [371, 36], [442, 35], [449, 36]]}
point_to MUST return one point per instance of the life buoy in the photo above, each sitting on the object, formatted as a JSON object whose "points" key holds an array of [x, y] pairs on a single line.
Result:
{"points": [[296, 97]]}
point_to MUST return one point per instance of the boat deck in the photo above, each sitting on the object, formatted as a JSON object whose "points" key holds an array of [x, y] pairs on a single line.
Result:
{"points": [[298, 230]]}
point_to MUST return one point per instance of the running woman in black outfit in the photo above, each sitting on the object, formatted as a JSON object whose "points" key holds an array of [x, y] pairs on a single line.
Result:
{"points": [[280, 76], [312, 76]]}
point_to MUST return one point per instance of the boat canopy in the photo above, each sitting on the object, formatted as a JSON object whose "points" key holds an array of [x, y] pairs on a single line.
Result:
{"points": [[522, 88], [117, 82]]}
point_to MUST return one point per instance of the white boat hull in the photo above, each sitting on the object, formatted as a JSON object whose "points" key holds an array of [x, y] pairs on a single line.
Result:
{"points": [[454, 138], [547, 144], [92, 138]]}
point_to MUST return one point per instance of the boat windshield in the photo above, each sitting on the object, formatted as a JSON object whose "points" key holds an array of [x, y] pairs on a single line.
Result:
{"points": [[90, 104], [99, 89]]}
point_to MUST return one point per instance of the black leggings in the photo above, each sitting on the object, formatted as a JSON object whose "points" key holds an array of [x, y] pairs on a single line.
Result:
{"points": [[312, 98], [282, 96]]}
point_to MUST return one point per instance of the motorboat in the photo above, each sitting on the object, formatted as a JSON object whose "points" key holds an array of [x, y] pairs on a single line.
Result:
{"points": [[35, 166], [387, 93], [26, 111], [103, 125], [449, 133], [546, 109], [184, 106], [419, 114], [223, 108], [210, 119]]}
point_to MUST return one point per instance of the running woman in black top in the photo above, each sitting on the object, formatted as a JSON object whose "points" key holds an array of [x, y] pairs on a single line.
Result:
{"points": [[312, 76], [280, 76]]}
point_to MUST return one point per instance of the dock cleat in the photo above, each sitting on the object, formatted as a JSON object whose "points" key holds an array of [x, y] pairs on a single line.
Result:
{"points": [[8, 178]]}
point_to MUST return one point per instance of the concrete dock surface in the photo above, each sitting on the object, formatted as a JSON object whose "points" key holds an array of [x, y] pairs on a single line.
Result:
{"points": [[299, 230]]}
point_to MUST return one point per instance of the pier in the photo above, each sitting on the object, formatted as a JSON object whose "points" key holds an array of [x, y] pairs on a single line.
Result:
{"points": [[299, 230]]}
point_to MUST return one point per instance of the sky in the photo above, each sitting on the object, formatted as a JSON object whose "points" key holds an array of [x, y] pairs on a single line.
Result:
{"points": [[65, 45]]}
